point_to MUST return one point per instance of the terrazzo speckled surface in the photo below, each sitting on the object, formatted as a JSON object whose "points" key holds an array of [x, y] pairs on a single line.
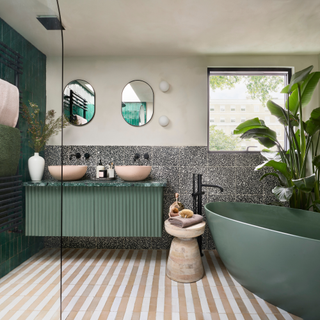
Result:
{"points": [[232, 171]]}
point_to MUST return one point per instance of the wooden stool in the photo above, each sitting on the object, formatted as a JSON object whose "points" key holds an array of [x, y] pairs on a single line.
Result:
{"points": [[184, 262]]}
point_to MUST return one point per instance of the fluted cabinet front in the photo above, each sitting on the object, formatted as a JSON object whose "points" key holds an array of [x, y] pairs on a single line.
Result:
{"points": [[94, 211], [128, 212]]}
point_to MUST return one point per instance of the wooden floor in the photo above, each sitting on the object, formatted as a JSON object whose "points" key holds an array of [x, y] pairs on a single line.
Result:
{"points": [[125, 284]]}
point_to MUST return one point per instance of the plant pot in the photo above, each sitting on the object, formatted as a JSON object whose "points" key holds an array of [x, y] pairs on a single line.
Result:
{"points": [[36, 167]]}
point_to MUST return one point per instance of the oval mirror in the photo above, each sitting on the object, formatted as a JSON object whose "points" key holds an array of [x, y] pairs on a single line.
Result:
{"points": [[137, 103], [79, 102]]}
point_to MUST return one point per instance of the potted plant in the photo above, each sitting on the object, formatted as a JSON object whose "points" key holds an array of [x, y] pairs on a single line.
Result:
{"points": [[39, 133], [298, 183]]}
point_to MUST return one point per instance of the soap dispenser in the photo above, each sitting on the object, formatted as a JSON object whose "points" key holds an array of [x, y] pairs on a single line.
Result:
{"points": [[99, 167]]}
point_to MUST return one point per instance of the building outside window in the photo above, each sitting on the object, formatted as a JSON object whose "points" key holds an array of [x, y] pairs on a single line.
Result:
{"points": [[238, 105]]}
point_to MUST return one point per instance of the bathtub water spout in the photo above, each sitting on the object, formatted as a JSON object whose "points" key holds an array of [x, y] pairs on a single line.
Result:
{"points": [[197, 199]]}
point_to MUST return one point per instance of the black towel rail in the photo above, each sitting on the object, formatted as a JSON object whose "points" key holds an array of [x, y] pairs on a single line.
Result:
{"points": [[10, 203], [11, 199]]}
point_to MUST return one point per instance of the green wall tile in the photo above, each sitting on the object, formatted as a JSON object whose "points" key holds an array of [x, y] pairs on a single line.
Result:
{"points": [[16, 248]]}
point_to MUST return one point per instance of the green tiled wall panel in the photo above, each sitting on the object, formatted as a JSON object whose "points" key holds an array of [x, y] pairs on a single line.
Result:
{"points": [[95, 211], [16, 248]]}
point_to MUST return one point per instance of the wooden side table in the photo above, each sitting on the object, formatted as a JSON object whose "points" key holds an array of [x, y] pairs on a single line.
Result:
{"points": [[184, 261]]}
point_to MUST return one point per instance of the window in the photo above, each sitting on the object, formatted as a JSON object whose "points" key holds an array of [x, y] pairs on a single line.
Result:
{"points": [[211, 120], [232, 97]]}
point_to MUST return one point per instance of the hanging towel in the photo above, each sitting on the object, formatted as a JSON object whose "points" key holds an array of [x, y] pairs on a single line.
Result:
{"points": [[9, 104], [186, 222], [81, 120], [10, 142]]}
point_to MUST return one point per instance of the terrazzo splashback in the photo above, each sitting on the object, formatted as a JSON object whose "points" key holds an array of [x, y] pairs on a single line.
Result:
{"points": [[232, 171]]}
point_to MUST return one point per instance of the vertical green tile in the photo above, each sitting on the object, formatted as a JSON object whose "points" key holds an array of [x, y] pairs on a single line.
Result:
{"points": [[16, 248]]}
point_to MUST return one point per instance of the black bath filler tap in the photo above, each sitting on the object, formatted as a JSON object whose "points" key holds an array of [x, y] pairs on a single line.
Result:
{"points": [[197, 199]]}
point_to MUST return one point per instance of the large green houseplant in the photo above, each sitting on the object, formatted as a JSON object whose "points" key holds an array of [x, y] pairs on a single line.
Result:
{"points": [[298, 183]]}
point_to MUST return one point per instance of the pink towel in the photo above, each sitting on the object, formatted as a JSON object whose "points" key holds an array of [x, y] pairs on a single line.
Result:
{"points": [[9, 104], [186, 222], [81, 120]]}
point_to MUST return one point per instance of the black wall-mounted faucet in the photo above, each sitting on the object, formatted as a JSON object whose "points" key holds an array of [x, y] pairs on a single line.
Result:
{"points": [[77, 155], [87, 156], [146, 156], [136, 157]]}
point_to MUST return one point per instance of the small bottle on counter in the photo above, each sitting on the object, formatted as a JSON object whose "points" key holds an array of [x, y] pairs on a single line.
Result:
{"points": [[103, 174], [99, 167], [111, 171]]}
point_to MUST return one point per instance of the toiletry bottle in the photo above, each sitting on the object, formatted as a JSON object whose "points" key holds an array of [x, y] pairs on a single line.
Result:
{"points": [[99, 167], [111, 171]]}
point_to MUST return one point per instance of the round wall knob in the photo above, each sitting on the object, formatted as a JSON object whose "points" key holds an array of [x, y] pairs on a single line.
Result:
{"points": [[164, 121], [164, 86]]}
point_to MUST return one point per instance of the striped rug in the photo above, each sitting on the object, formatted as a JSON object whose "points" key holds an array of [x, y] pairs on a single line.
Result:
{"points": [[125, 284]]}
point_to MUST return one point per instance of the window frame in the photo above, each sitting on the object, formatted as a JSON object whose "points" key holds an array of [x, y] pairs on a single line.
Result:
{"points": [[244, 71]]}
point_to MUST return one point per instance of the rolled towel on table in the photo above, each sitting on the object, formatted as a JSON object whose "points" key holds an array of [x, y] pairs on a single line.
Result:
{"points": [[9, 104], [186, 222]]}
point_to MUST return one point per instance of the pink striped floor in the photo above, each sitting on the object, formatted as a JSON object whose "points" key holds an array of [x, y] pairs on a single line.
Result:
{"points": [[125, 284]]}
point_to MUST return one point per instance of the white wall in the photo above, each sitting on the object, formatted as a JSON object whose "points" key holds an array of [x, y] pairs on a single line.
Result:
{"points": [[185, 104]]}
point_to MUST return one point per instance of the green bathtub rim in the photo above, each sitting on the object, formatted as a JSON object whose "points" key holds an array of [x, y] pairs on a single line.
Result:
{"points": [[259, 227]]}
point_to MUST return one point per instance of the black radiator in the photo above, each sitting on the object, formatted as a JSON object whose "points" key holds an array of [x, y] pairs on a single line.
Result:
{"points": [[10, 203], [11, 187]]}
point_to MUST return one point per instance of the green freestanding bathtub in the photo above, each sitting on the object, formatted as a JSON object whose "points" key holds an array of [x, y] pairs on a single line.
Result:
{"points": [[272, 251]]}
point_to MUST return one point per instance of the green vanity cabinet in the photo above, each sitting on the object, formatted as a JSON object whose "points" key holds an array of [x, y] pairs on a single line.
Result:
{"points": [[128, 212], [94, 209], [43, 211]]}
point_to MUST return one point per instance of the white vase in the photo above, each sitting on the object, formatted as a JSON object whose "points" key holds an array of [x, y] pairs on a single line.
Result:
{"points": [[36, 167]]}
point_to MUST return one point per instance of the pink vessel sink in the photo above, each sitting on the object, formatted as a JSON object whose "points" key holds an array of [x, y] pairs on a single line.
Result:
{"points": [[133, 173], [70, 173]]}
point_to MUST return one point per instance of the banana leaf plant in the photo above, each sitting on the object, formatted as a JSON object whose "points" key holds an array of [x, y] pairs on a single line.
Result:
{"points": [[297, 169]]}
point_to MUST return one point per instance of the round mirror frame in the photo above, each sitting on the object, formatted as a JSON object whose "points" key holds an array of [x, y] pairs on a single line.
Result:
{"points": [[152, 103]]}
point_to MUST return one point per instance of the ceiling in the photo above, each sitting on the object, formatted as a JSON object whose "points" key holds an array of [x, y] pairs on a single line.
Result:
{"points": [[170, 27]]}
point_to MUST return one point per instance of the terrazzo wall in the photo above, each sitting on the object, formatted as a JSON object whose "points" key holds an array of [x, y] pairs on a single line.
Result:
{"points": [[232, 171]]}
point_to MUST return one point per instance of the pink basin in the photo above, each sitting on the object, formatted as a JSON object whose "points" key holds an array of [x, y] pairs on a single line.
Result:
{"points": [[133, 173], [70, 173]]}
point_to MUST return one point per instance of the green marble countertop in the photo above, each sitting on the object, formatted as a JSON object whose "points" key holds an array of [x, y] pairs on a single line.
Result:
{"points": [[97, 183]]}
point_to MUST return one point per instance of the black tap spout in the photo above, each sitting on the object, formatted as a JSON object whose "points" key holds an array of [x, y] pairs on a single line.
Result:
{"points": [[136, 157], [213, 186], [77, 155]]}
